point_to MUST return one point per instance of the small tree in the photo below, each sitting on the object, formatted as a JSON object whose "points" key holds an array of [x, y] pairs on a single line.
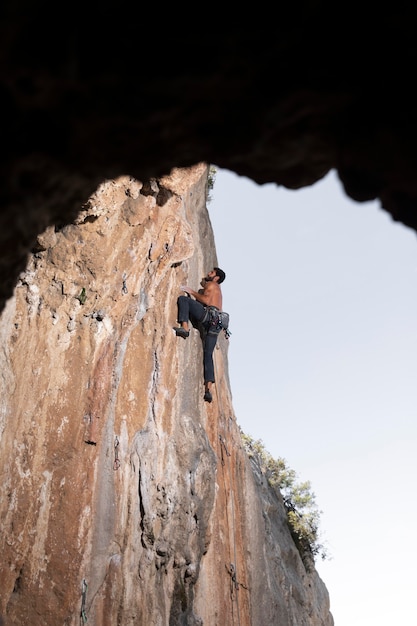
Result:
{"points": [[211, 179], [303, 516]]}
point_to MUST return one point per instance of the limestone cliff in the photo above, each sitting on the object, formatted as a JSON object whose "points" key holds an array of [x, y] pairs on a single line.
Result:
{"points": [[125, 499]]}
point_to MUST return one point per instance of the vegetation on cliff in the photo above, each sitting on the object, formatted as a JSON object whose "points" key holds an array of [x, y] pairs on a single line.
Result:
{"points": [[303, 515]]}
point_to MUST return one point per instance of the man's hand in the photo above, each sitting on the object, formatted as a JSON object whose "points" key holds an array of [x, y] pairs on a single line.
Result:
{"points": [[186, 289]]}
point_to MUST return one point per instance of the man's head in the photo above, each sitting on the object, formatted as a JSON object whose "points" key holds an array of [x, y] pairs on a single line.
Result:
{"points": [[220, 274], [215, 274]]}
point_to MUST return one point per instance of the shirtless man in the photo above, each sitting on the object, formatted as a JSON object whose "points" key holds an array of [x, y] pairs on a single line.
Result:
{"points": [[196, 311]]}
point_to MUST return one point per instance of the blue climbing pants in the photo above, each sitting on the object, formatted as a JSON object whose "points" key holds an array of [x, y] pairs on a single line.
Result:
{"points": [[195, 312]]}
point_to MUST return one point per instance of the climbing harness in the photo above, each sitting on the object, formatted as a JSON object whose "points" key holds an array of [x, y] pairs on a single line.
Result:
{"points": [[116, 463], [216, 321], [84, 588]]}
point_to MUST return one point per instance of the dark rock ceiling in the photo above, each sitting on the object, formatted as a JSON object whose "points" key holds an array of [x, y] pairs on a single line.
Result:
{"points": [[281, 96]]}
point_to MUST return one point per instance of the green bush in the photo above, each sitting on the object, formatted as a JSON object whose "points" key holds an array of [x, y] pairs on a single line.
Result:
{"points": [[303, 516], [211, 179]]}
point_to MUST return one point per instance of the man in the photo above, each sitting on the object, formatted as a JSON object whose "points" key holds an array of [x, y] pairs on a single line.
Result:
{"points": [[198, 312]]}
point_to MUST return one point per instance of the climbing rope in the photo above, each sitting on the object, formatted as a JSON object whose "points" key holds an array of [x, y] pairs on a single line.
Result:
{"points": [[232, 503], [225, 455], [218, 395]]}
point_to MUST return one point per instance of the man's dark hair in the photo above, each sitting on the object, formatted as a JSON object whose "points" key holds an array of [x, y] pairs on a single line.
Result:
{"points": [[220, 274]]}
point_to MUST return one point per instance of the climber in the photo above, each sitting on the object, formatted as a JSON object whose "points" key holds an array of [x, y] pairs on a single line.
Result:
{"points": [[207, 301]]}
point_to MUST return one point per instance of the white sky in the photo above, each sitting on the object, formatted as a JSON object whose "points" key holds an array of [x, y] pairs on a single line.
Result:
{"points": [[322, 297]]}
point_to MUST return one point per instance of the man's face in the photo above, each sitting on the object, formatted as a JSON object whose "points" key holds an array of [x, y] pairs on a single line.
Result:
{"points": [[211, 275]]}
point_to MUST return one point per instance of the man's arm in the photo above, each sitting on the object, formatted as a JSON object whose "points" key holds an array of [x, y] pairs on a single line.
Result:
{"points": [[204, 297]]}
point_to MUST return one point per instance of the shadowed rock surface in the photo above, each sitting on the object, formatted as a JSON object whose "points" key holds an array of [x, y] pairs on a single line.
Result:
{"points": [[124, 497], [281, 97]]}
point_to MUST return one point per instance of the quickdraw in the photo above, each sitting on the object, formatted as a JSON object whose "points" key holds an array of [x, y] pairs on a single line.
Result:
{"points": [[84, 588], [116, 463], [234, 582], [223, 442]]}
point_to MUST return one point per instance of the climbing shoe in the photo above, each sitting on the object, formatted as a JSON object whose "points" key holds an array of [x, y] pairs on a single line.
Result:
{"points": [[181, 332], [207, 396]]}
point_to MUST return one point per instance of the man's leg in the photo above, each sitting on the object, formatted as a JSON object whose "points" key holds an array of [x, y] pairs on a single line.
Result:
{"points": [[188, 309], [209, 345], [183, 305]]}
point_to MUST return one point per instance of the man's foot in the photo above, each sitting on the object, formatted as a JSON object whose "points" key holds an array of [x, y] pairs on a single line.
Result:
{"points": [[181, 332], [207, 396]]}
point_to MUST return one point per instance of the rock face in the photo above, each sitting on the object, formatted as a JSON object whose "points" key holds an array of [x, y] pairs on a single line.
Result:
{"points": [[124, 91], [125, 498]]}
